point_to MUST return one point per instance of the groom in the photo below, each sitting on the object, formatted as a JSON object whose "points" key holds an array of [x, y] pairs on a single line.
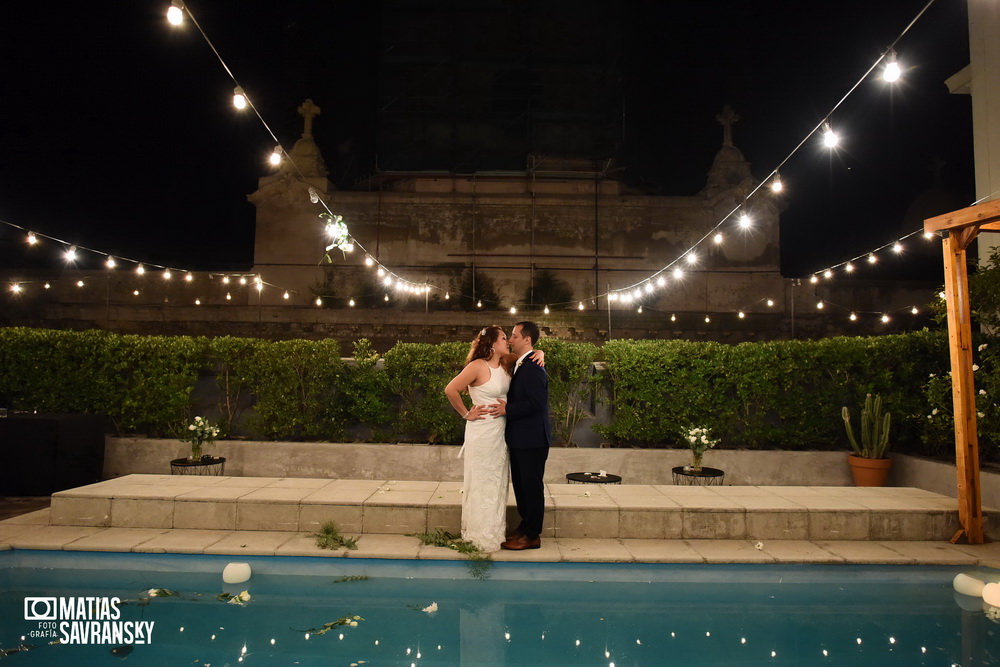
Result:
{"points": [[528, 434]]}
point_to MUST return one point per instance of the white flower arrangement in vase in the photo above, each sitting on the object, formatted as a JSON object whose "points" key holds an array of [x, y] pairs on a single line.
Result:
{"points": [[199, 432], [700, 440]]}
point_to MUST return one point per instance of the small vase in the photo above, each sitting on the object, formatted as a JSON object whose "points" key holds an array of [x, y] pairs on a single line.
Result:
{"points": [[195, 452], [696, 464]]}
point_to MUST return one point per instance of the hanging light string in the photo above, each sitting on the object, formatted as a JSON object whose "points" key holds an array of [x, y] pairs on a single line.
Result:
{"points": [[344, 240], [390, 279], [648, 285]]}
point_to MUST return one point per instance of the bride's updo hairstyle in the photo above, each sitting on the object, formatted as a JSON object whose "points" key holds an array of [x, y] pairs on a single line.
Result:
{"points": [[482, 344]]}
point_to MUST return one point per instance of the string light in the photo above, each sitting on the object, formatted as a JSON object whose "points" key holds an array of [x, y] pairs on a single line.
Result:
{"points": [[140, 269], [31, 238], [70, 254], [275, 157], [239, 98], [546, 310], [776, 184], [744, 221], [830, 138], [719, 238], [167, 275], [891, 72], [15, 288], [110, 262], [175, 14]]}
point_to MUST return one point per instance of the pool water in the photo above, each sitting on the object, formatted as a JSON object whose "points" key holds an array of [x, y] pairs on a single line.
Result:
{"points": [[610, 615]]}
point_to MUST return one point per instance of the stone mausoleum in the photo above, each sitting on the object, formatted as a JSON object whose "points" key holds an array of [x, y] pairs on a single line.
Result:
{"points": [[560, 233]]}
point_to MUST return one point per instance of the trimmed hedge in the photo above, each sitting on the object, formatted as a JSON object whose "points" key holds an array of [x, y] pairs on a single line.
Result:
{"points": [[779, 394]]}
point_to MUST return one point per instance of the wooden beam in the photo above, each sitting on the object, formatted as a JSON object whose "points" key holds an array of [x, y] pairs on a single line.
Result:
{"points": [[986, 216], [956, 287]]}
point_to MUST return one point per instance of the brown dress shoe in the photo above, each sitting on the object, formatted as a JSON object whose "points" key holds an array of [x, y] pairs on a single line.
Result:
{"points": [[521, 543], [515, 534]]}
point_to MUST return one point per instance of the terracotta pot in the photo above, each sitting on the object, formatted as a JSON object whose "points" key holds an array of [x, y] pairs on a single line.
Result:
{"points": [[869, 472]]}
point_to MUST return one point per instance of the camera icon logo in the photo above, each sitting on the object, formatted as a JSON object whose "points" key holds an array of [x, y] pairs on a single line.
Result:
{"points": [[40, 609]]}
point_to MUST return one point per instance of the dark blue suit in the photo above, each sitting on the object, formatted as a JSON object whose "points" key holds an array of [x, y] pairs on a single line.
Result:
{"points": [[528, 434]]}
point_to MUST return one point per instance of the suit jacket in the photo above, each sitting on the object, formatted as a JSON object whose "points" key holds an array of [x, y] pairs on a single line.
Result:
{"points": [[528, 408]]}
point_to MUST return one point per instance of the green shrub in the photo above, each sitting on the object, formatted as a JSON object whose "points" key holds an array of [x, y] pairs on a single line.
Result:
{"points": [[417, 374], [571, 386], [297, 387]]}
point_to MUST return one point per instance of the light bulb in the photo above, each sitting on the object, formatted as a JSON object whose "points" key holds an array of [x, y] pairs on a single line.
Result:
{"points": [[612, 297], [692, 257], [673, 318], [110, 262], [318, 302], [661, 281], [385, 298], [239, 98], [914, 310], [678, 273], [351, 303], [368, 260], [744, 221], [140, 269], [776, 184], [479, 304], [447, 296], [546, 310], [175, 14], [580, 306], [275, 160], [225, 280], [891, 72], [15, 288], [718, 238], [897, 247], [848, 267], [853, 317], [707, 319], [885, 319], [135, 292], [31, 238], [243, 280], [79, 283], [188, 276], [828, 274], [639, 309], [872, 258], [286, 296], [70, 254], [819, 305], [770, 303], [830, 138], [742, 315], [513, 310], [229, 297], [197, 302], [814, 279]]}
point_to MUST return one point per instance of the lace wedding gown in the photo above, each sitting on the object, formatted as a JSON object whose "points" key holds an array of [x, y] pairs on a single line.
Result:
{"points": [[487, 474]]}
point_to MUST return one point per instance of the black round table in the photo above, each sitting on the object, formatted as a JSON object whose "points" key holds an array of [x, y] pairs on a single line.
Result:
{"points": [[206, 465], [592, 478], [686, 476]]}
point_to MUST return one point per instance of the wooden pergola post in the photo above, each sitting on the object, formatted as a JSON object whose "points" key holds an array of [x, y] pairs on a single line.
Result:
{"points": [[960, 229]]}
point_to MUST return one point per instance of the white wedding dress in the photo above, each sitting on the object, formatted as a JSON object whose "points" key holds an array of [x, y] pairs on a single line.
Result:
{"points": [[487, 474]]}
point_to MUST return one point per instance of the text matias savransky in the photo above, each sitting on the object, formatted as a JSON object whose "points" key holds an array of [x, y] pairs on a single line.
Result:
{"points": [[85, 620]]}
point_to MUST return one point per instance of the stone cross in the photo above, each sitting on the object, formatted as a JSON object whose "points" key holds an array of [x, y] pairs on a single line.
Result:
{"points": [[727, 118], [308, 110]]}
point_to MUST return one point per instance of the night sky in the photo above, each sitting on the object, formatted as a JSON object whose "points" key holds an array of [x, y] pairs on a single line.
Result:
{"points": [[118, 132]]}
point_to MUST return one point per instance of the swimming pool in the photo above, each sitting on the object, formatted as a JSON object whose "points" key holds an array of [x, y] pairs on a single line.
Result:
{"points": [[301, 611]]}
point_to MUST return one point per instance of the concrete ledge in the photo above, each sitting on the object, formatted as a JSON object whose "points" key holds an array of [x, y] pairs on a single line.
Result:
{"points": [[573, 510]]}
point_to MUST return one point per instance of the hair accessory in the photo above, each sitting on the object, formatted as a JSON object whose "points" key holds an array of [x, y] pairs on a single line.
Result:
{"points": [[483, 332]]}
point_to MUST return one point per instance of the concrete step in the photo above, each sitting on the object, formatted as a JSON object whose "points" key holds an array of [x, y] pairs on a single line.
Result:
{"points": [[573, 510]]}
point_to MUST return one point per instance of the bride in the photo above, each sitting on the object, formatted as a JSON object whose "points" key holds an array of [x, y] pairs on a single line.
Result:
{"points": [[486, 377]]}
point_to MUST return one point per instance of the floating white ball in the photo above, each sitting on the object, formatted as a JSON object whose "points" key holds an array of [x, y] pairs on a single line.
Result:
{"points": [[236, 573], [991, 594], [968, 585]]}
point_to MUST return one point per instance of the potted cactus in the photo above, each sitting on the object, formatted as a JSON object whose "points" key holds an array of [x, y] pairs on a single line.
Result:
{"points": [[869, 463]]}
